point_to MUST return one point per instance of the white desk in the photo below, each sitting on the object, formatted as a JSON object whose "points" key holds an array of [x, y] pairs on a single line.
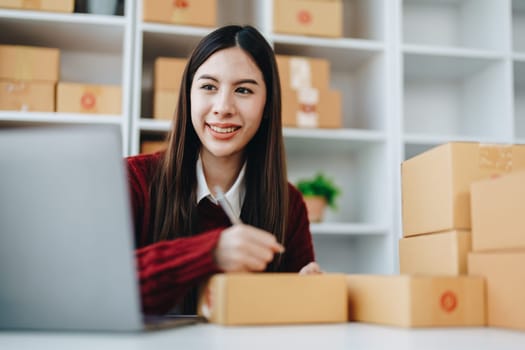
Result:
{"points": [[315, 337]]}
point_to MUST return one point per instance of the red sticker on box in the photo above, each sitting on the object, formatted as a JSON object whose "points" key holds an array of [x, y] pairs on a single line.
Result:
{"points": [[448, 301], [182, 4], [88, 100], [304, 17]]}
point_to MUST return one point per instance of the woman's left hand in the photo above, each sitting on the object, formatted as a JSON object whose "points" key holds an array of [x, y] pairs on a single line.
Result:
{"points": [[312, 268]]}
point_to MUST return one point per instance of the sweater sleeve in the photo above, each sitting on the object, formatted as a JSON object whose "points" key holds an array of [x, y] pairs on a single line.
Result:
{"points": [[299, 246], [166, 270]]}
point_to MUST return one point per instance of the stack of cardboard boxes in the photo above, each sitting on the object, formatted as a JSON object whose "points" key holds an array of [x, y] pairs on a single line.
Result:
{"points": [[498, 246], [28, 82], [167, 76], [28, 77], [307, 100], [436, 204]]}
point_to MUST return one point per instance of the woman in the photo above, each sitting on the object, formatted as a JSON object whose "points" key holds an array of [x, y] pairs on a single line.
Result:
{"points": [[226, 132]]}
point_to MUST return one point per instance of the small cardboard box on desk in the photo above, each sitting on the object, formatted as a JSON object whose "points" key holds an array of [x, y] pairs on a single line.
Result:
{"points": [[28, 77], [417, 301], [274, 298], [498, 244]]}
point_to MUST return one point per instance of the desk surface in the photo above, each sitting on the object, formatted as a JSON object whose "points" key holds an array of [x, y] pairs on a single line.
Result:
{"points": [[208, 336]]}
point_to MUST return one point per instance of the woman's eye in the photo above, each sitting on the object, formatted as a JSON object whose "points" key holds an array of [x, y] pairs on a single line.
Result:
{"points": [[208, 87], [243, 90]]}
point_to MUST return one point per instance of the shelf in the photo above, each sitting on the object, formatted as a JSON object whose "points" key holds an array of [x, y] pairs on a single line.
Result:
{"points": [[75, 32], [519, 99], [57, 118], [457, 23], [430, 139], [451, 51], [327, 228], [457, 96]]}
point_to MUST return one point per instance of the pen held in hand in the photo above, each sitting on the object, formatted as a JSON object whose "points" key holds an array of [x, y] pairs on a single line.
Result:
{"points": [[225, 205]]}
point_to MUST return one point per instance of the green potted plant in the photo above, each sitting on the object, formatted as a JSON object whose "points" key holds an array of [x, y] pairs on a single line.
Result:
{"points": [[318, 192]]}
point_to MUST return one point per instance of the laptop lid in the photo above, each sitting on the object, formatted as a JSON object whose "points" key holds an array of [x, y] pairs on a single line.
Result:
{"points": [[66, 244]]}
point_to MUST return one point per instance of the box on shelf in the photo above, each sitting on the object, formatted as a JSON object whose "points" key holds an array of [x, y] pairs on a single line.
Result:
{"points": [[152, 146], [298, 72], [311, 108], [40, 5], [164, 104], [189, 12], [417, 301], [436, 183], [88, 98], [29, 63], [437, 254], [308, 17], [307, 100], [505, 285], [27, 96], [168, 73], [274, 298], [498, 206]]}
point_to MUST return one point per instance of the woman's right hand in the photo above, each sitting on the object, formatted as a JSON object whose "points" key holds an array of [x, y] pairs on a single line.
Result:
{"points": [[244, 248]]}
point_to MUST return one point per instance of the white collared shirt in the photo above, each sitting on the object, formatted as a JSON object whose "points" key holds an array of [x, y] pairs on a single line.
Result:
{"points": [[235, 195]]}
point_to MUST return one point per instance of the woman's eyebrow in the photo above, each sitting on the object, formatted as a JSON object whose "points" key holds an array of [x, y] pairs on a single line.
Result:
{"points": [[238, 82]]}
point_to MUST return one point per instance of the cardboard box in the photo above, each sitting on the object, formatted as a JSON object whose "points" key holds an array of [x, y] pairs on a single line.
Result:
{"points": [[168, 73], [164, 104], [152, 146], [498, 206], [298, 72], [88, 98], [27, 96], [417, 301], [436, 183], [437, 254], [41, 5], [505, 281], [274, 298], [308, 17], [29, 63], [311, 108], [189, 12]]}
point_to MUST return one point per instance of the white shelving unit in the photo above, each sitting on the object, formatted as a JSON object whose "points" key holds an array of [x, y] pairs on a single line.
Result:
{"points": [[93, 49], [413, 74]]}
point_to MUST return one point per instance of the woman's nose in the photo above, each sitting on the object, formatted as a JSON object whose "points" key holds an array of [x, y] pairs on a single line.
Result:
{"points": [[224, 104]]}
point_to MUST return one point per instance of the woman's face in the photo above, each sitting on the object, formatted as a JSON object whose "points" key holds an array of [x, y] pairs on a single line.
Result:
{"points": [[228, 95]]}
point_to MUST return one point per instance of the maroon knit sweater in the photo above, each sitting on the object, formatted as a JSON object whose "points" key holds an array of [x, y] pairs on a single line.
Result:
{"points": [[170, 271]]}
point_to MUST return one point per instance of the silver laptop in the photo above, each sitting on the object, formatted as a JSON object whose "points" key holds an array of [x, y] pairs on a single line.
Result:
{"points": [[66, 242]]}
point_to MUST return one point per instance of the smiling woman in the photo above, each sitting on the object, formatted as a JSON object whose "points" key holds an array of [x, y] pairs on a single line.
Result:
{"points": [[227, 132]]}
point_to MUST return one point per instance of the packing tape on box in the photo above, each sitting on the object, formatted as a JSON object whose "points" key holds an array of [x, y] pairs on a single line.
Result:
{"points": [[307, 116], [300, 73], [495, 157]]}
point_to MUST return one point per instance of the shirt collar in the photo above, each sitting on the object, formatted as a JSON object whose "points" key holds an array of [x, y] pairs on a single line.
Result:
{"points": [[235, 195]]}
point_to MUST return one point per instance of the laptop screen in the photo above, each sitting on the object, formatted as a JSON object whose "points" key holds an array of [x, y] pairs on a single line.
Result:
{"points": [[66, 244]]}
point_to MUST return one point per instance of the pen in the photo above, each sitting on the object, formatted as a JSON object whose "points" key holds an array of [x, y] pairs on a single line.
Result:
{"points": [[225, 205]]}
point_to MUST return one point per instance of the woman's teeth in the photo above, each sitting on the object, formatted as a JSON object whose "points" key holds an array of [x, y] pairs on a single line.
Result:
{"points": [[223, 130]]}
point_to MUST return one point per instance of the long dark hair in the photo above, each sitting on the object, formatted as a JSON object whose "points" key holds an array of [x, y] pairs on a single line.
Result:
{"points": [[173, 191]]}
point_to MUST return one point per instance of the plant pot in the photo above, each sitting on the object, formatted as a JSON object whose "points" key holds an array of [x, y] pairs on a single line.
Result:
{"points": [[315, 207]]}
